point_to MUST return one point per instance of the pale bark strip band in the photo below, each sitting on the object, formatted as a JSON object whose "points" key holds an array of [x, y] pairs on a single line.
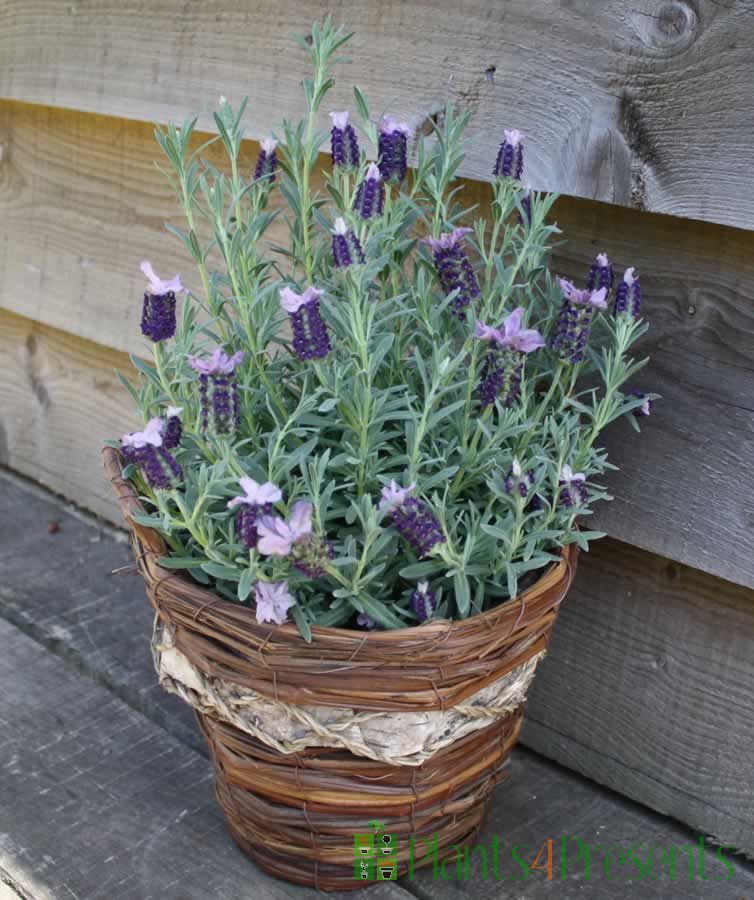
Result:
{"points": [[397, 738]]}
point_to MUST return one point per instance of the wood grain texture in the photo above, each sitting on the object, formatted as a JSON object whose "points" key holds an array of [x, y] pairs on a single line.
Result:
{"points": [[81, 204], [101, 625], [644, 104], [60, 400], [647, 689], [99, 803]]}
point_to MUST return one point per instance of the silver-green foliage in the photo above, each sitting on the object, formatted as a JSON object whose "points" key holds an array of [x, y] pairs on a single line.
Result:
{"points": [[397, 396]]}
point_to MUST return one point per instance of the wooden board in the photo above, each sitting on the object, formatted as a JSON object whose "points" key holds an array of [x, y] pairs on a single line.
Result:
{"points": [[60, 400], [642, 104], [99, 803], [100, 625], [647, 689], [83, 204]]}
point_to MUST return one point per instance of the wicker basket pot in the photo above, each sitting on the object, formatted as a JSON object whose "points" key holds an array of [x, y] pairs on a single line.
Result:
{"points": [[311, 742]]}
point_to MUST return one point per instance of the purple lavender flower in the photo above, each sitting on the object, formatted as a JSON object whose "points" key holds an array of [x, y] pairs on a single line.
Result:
{"points": [[392, 149], [575, 321], [218, 391], [628, 295], [510, 156], [601, 275], [310, 337], [146, 449], [256, 501], [343, 142], [173, 433], [346, 247], [366, 621], [295, 539], [423, 601], [646, 407], [503, 366], [158, 312], [370, 194], [573, 490], [518, 481], [414, 520], [524, 217], [454, 268], [273, 600], [267, 161]]}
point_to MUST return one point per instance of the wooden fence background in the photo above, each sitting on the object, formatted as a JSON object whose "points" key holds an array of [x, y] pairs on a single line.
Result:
{"points": [[641, 113]]}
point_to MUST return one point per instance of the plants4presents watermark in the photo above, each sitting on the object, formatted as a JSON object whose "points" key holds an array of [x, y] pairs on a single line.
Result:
{"points": [[377, 855]]}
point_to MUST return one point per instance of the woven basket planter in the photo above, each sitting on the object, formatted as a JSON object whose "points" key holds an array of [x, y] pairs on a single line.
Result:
{"points": [[311, 741]]}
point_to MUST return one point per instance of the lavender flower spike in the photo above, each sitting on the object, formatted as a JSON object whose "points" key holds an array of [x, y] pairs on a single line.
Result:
{"points": [[646, 407], [146, 449], [218, 390], [158, 312], [454, 268], [573, 490], [343, 142], [267, 161], [392, 148], [423, 601], [601, 275], [346, 247], [503, 367], [575, 321], [519, 481], [310, 337], [510, 156], [370, 194], [628, 295], [173, 433], [256, 501], [414, 520], [273, 600]]}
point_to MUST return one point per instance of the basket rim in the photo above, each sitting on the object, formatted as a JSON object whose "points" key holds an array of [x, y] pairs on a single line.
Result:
{"points": [[130, 504]]}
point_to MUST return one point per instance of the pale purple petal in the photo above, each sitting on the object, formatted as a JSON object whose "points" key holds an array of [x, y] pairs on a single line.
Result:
{"points": [[512, 324], [152, 435], [513, 137], [487, 333], [598, 299], [389, 125], [158, 285], [312, 293], [275, 537], [602, 261], [527, 341], [340, 226], [300, 520], [290, 300], [630, 276], [339, 119], [392, 495], [256, 494], [373, 172], [273, 600], [269, 144]]}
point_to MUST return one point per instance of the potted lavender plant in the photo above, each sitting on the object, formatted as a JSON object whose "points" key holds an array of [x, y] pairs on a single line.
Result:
{"points": [[355, 496]]}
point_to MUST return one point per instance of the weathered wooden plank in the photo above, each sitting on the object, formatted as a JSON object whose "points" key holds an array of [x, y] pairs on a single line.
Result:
{"points": [[100, 803], [97, 625], [58, 588], [648, 686], [620, 102], [87, 184], [60, 400]]}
